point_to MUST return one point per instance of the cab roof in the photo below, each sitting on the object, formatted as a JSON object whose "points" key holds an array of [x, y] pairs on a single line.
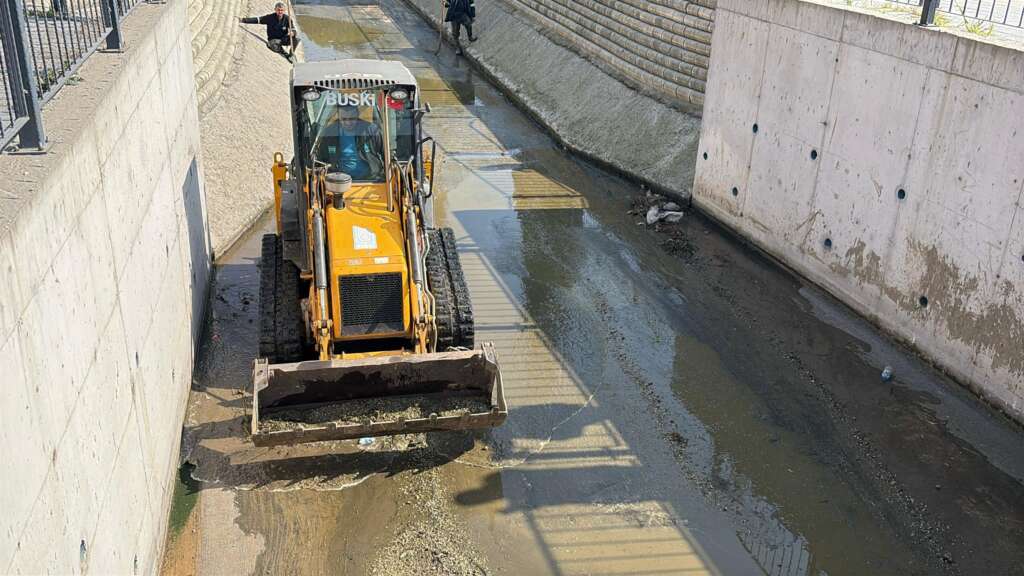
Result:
{"points": [[352, 73]]}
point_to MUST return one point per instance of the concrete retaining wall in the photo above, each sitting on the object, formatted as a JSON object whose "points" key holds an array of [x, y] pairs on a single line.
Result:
{"points": [[104, 262], [850, 109], [588, 110]]}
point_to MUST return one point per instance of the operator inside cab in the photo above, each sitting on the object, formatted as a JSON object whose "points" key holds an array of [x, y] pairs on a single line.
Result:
{"points": [[346, 130], [353, 145]]}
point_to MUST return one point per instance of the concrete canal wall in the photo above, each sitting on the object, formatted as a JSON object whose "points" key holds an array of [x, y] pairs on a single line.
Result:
{"points": [[883, 161], [618, 82], [104, 263]]}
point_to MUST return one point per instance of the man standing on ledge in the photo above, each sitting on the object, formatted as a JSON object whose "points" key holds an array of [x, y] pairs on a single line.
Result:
{"points": [[279, 28]]}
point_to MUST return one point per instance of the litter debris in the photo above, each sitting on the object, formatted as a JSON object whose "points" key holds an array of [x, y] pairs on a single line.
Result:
{"points": [[653, 215], [672, 217]]}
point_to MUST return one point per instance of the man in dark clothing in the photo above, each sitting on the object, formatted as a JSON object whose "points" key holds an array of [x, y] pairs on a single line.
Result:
{"points": [[460, 13], [279, 28]]}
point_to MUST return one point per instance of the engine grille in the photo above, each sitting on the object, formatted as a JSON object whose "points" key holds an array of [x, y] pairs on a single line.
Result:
{"points": [[371, 303]]}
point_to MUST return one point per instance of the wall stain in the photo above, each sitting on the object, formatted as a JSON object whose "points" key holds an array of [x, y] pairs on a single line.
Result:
{"points": [[997, 328], [995, 331], [866, 266], [809, 222]]}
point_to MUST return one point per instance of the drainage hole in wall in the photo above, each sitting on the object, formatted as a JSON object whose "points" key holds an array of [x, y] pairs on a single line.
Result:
{"points": [[901, 193], [814, 154], [755, 128], [828, 243], [735, 191], [923, 301], [705, 155]]}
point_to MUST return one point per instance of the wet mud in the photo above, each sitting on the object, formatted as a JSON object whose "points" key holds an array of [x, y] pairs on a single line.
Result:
{"points": [[678, 403], [370, 410]]}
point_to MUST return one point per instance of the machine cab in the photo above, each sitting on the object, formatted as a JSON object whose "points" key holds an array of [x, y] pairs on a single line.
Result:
{"points": [[347, 110], [344, 113], [356, 136]]}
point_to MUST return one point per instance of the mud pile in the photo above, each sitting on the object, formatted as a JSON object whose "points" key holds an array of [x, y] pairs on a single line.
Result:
{"points": [[367, 410]]}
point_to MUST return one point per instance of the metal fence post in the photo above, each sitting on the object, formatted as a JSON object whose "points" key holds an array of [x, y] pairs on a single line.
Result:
{"points": [[31, 134], [928, 12], [111, 16]]}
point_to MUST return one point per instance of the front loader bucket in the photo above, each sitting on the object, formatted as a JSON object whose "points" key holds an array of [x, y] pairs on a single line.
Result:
{"points": [[340, 399]]}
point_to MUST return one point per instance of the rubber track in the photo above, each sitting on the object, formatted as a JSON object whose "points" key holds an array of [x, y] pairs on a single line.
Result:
{"points": [[289, 311], [440, 286], [465, 333], [268, 288], [281, 322]]}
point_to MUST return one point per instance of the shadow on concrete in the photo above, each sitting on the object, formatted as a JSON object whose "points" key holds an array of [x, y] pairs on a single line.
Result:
{"points": [[199, 248]]}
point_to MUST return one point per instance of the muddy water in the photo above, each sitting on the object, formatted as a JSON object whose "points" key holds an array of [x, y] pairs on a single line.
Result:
{"points": [[678, 404]]}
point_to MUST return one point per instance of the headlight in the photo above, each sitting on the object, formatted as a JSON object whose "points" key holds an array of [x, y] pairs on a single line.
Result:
{"points": [[311, 95], [399, 94]]}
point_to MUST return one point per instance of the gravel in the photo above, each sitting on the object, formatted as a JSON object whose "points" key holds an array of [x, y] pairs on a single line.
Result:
{"points": [[367, 410], [435, 544]]}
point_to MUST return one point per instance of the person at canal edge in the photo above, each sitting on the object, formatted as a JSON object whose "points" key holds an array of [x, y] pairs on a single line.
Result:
{"points": [[279, 28], [460, 13], [357, 150]]}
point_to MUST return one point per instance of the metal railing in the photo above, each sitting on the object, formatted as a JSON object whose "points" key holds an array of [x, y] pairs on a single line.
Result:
{"points": [[42, 45], [974, 12]]}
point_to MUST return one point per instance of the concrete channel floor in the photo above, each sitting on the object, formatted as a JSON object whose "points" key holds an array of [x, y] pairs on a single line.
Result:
{"points": [[678, 403]]}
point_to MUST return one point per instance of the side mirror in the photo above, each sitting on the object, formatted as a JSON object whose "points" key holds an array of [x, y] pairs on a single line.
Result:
{"points": [[428, 163], [419, 112]]}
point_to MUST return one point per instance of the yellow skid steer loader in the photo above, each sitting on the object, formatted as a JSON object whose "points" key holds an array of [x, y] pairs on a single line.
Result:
{"points": [[366, 326]]}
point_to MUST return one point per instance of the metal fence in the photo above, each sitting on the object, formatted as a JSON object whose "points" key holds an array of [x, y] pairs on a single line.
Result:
{"points": [[974, 12], [42, 44]]}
